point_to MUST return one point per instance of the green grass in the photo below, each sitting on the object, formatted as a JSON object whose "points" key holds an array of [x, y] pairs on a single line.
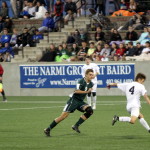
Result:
{"points": [[21, 128]]}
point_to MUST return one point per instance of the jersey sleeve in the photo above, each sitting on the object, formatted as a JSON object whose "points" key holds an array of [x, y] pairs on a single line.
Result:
{"points": [[83, 71], [122, 86]]}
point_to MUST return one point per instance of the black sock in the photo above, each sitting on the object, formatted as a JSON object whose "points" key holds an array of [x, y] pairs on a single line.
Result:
{"points": [[52, 125], [79, 122], [3, 94]]}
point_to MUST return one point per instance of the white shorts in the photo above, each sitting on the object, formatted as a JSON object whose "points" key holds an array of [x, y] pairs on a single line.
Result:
{"points": [[134, 111], [94, 88]]}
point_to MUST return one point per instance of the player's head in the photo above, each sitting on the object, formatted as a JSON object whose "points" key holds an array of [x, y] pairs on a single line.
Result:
{"points": [[140, 77], [88, 60], [89, 74]]}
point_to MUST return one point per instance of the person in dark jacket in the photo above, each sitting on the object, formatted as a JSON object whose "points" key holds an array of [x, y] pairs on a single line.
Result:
{"points": [[131, 35], [99, 35], [1, 84], [132, 50]]}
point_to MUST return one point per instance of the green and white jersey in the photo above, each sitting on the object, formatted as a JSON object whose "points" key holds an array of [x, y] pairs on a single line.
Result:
{"points": [[83, 86]]}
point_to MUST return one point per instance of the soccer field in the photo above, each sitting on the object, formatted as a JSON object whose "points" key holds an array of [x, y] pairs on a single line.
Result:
{"points": [[22, 120]]}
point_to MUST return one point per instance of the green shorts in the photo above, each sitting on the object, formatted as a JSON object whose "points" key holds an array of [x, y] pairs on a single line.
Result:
{"points": [[74, 104]]}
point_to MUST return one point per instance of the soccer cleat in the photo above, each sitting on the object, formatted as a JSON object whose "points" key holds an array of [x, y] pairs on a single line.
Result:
{"points": [[47, 132], [115, 119], [75, 128], [149, 131]]}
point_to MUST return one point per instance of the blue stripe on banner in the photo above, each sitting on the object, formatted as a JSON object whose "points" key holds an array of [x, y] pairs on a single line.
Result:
{"points": [[67, 76]]}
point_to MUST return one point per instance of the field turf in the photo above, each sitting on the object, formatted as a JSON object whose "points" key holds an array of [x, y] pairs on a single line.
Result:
{"points": [[22, 120]]}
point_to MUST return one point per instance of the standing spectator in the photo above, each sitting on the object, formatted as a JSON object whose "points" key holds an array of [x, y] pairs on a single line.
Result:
{"points": [[100, 4], [132, 5], [131, 35], [58, 12], [4, 10], [71, 10], [14, 7], [5, 38], [99, 35], [1, 84], [123, 5], [47, 24], [24, 39]]}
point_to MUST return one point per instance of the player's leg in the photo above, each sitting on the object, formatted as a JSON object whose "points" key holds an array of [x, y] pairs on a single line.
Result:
{"points": [[2, 90], [88, 112], [94, 97], [144, 123], [134, 116], [89, 99]]}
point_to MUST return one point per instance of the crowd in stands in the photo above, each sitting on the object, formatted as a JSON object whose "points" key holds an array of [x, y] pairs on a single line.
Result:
{"points": [[78, 45]]}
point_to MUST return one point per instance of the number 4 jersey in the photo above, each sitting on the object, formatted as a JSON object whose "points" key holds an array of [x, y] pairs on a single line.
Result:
{"points": [[133, 92]]}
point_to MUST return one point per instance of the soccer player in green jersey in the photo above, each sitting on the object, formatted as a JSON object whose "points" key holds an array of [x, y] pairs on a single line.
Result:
{"points": [[76, 101]]}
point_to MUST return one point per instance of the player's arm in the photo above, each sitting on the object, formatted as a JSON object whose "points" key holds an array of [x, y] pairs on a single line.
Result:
{"points": [[83, 92], [146, 98], [111, 84]]}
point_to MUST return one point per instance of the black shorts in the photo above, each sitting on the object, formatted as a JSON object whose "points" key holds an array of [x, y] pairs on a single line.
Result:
{"points": [[1, 75]]}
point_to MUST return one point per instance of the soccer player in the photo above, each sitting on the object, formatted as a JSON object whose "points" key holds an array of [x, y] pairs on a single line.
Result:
{"points": [[91, 97], [76, 102], [1, 84], [133, 92]]}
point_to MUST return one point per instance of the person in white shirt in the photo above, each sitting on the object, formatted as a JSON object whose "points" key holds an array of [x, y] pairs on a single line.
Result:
{"points": [[133, 92], [91, 97]]}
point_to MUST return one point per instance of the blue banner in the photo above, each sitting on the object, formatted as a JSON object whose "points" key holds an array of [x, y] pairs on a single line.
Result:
{"points": [[67, 76]]}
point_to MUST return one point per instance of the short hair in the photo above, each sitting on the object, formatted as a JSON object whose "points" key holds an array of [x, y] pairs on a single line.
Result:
{"points": [[140, 76], [89, 70], [89, 57]]}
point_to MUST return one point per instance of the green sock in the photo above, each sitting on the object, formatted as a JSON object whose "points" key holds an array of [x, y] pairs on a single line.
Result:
{"points": [[52, 125], [79, 122]]}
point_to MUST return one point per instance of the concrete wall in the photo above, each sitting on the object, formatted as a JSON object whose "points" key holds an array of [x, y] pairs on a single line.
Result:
{"points": [[11, 80]]}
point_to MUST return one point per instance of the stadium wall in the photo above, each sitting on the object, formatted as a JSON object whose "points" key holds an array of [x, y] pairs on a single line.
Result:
{"points": [[11, 80]]}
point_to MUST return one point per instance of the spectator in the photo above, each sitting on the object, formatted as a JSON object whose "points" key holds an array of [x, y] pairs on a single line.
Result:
{"points": [[131, 51], [4, 10], [83, 35], [13, 40], [114, 48], [47, 24], [50, 54], [24, 39], [58, 12], [91, 49], [106, 50], [71, 10], [139, 49], [123, 5], [74, 49], [146, 50], [100, 4], [120, 51], [36, 37], [131, 35], [132, 5], [41, 11], [96, 55], [5, 38], [105, 57], [83, 51], [1, 23], [99, 35], [115, 37], [1, 58], [8, 24]]}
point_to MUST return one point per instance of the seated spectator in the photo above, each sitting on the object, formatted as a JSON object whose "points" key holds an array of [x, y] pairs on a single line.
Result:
{"points": [[91, 49], [1, 23], [120, 51], [139, 49], [74, 50], [47, 24], [146, 38], [132, 5], [99, 34], [8, 24], [105, 57], [106, 50], [131, 50], [41, 11], [13, 40], [24, 39], [49, 55], [36, 37], [83, 35], [58, 12], [146, 50], [131, 35], [4, 10], [114, 48], [115, 37], [5, 38], [71, 11], [1, 58], [96, 55], [83, 51]]}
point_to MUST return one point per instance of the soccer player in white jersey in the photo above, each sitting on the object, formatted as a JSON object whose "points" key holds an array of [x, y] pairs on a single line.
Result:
{"points": [[133, 92], [91, 97]]}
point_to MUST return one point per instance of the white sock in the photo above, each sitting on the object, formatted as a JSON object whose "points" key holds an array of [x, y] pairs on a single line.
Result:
{"points": [[94, 100], [125, 119], [144, 124], [89, 100]]}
